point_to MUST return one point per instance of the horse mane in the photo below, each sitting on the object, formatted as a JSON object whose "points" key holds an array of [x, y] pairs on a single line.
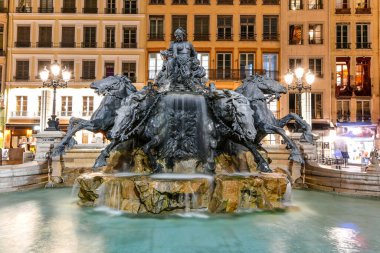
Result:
{"points": [[127, 83]]}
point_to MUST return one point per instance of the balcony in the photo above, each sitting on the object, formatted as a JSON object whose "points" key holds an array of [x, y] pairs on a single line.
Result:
{"points": [[67, 44], [271, 37], [45, 44], [156, 36], [201, 37], [343, 45], [130, 10], [247, 2], [109, 44], [110, 10], [128, 45], [24, 9], [363, 45], [89, 44], [156, 2], [225, 2], [271, 2], [45, 10], [315, 41], [21, 78], [22, 44], [202, 2], [68, 10], [343, 11], [248, 36], [315, 6], [90, 10], [224, 36], [363, 10]]}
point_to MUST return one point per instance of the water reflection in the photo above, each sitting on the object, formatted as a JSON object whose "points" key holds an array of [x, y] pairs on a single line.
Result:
{"points": [[346, 238]]}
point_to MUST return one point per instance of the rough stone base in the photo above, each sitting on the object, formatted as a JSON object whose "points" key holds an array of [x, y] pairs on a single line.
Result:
{"points": [[177, 192]]}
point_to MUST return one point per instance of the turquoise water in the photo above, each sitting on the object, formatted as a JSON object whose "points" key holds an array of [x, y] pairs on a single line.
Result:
{"points": [[50, 221]]}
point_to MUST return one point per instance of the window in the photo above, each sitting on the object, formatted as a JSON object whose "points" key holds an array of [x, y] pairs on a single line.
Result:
{"points": [[342, 7], [294, 100], [295, 5], [88, 70], [157, 2], [202, 27], [23, 36], [363, 76], [294, 63], [22, 70], [204, 59], [129, 70], [224, 28], [295, 35], [247, 64], [154, 65], [66, 105], [41, 66], [247, 2], [179, 1], [315, 34], [315, 4], [270, 28], [178, 21], [202, 1], [270, 65], [45, 33], [68, 37], [68, 6], [342, 36], [247, 28], [21, 106], [156, 27], [89, 37], [110, 7], [46, 6], [110, 37], [316, 106], [363, 110], [129, 37], [343, 110], [130, 7], [342, 69], [362, 7], [224, 66], [315, 66], [88, 105], [362, 36], [24, 6], [109, 69], [69, 65], [229, 2], [90, 6]]}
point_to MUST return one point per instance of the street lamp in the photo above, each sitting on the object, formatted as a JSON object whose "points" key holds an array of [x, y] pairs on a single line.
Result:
{"points": [[54, 78], [298, 84]]}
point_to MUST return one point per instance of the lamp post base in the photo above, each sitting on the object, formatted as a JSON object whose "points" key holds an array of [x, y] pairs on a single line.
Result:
{"points": [[53, 124]]}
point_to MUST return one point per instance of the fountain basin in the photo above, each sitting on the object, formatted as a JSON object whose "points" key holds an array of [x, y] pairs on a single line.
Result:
{"points": [[223, 193]]}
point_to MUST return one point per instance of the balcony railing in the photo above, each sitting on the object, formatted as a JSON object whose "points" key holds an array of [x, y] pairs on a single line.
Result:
{"points": [[130, 10], [156, 36], [68, 10], [247, 2], [156, 2], [343, 45], [45, 44], [65, 114], [316, 41], [45, 10], [24, 114], [271, 37], [343, 11], [88, 77], [128, 45], [24, 9], [89, 44], [271, 2], [21, 78], [363, 118], [248, 36], [201, 37], [109, 44], [67, 44], [22, 44], [362, 10], [316, 6], [202, 2], [363, 45], [224, 36], [226, 2], [110, 10], [90, 10]]}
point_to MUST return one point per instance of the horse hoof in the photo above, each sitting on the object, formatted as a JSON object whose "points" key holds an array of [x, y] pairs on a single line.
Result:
{"points": [[100, 162], [307, 137], [264, 167]]}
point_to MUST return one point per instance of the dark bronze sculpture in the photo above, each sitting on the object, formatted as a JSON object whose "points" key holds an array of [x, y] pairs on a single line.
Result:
{"points": [[180, 118]]}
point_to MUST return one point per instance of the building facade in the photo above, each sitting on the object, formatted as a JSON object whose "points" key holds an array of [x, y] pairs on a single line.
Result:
{"points": [[3, 69], [93, 39]]}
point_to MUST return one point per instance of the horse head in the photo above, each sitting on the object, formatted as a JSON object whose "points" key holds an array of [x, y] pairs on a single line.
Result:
{"points": [[256, 86], [116, 85]]}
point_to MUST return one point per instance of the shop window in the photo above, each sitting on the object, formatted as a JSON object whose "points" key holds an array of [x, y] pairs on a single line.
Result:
{"points": [[66, 106], [88, 105], [343, 111], [342, 69], [362, 36], [316, 106], [362, 76], [154, 65], [363, 111], [315, 66], [315, 34], [295, 35], [315, 4]]}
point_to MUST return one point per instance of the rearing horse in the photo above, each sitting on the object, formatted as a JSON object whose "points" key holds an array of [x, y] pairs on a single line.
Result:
{"points": [[255, 88], [114, 89]]}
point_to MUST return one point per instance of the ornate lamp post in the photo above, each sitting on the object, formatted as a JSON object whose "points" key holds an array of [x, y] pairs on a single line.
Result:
{"points": [[298, 84], [54, 78]]}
